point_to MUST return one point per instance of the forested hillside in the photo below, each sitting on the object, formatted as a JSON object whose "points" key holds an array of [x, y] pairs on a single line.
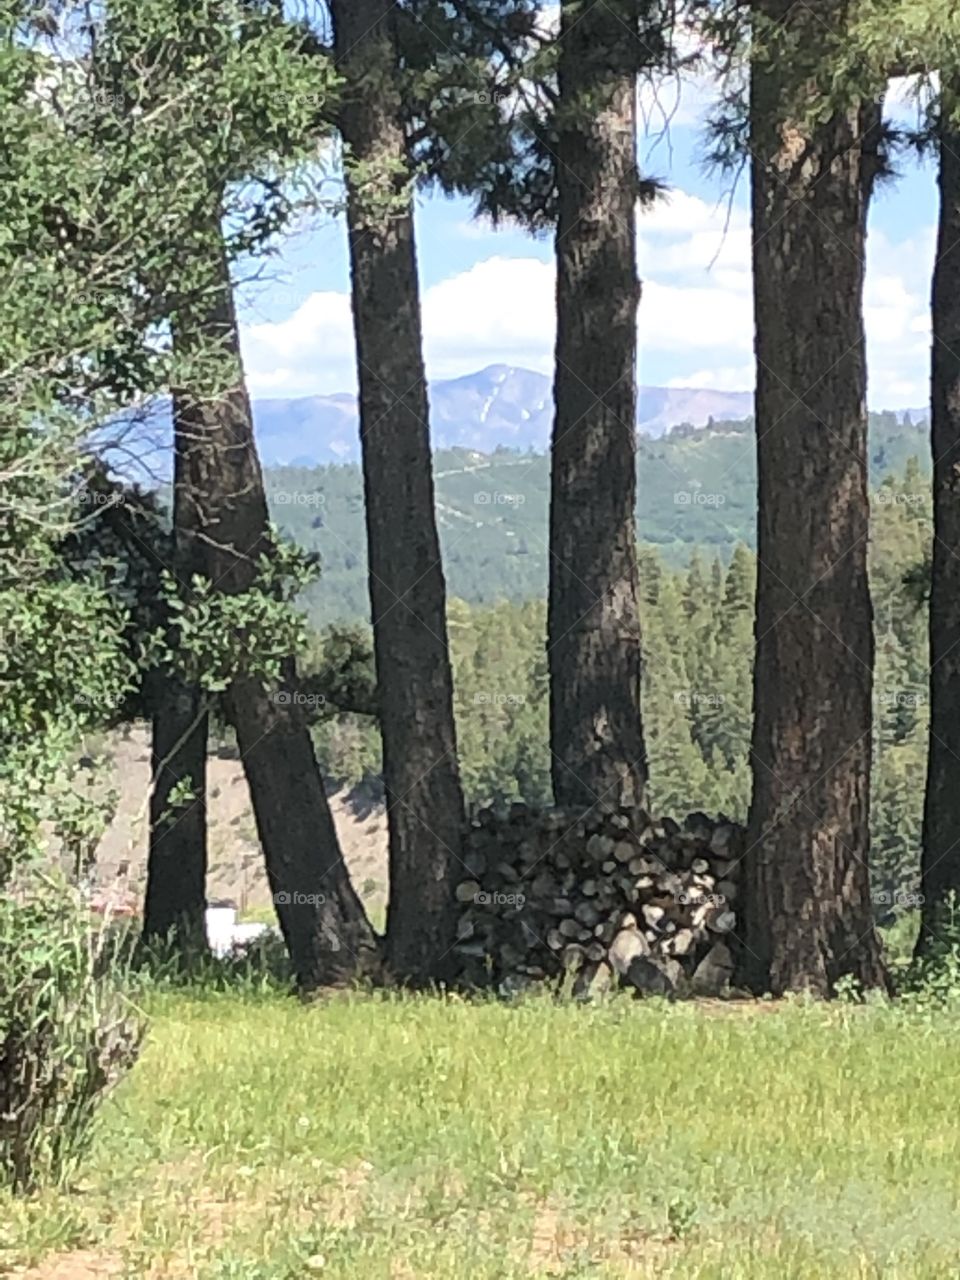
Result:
{"points": [[698, 648], [696, 489]]}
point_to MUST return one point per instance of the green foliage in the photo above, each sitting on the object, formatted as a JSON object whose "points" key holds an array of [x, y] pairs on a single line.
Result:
{"points": [[260, 968], [119, 153], [213, 637], [337, 670], [61, 671], [349, 751], [63, 668], [219, 105], [697, 711], [81, 818], [485, 74], [500, 699], [901, 537], [107, 160], [338, 686], [479, 93], [66, 1036]]}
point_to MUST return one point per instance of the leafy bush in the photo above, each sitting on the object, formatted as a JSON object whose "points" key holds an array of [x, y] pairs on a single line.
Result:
{"points": [[66, 1033]]}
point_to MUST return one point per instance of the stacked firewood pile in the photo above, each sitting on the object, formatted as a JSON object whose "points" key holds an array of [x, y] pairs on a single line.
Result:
{"points": [[599, 900]]}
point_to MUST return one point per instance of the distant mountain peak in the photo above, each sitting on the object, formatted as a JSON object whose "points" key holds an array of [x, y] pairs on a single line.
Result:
{"points": [[501, 406]]}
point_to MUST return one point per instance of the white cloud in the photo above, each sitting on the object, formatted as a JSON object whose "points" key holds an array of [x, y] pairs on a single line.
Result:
{"points": [[684, 236], [696, 313], [897, 318], [500, 310], [737, 377], [678, 213], [691, 320], [309, 353]]}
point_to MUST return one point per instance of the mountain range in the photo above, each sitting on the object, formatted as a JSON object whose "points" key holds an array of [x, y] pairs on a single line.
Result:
{"points": [[500, 407]]}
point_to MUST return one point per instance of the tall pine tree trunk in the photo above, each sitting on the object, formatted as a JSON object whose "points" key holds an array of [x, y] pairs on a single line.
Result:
{"points": [[593, 628], [175, 901], [809, 916], [407, 590], [322, 919], [940, 863]]}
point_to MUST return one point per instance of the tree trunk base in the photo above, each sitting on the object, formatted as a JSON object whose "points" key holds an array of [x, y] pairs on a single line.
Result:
{"points": [[322, 919]]}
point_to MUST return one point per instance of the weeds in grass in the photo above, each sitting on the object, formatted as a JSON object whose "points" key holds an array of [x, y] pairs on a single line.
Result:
{"points": [[67, 1034], [395, 1136], [391, 1136], [260, 967]]}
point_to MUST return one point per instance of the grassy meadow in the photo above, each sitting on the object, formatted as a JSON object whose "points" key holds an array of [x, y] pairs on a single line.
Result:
{"points": [[400, 1137]]}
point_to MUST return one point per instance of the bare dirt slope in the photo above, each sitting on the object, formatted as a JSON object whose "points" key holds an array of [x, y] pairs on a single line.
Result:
{"points": [[236, 864]]}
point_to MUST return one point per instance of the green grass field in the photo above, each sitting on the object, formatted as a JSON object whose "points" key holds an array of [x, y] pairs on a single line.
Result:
{"points": [[368, 1137]]}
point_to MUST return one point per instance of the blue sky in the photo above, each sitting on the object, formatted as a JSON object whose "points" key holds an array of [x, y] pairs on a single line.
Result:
{"points": [[488, 296]]}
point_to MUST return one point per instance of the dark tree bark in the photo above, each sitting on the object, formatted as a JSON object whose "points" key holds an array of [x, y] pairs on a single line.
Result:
{"points": [[593, 629], [321, 917], [175, 902], [940, 861], [407, 590], [809, 915]]}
